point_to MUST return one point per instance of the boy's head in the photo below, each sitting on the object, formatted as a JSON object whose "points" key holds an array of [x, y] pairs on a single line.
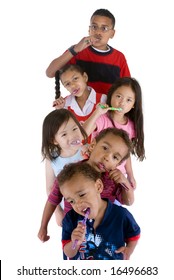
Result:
{"points": [[80, 184], [101, 28], [109, 149]]}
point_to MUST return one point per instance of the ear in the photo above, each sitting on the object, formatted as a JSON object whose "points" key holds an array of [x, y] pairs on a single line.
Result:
{"points": [[92, 145], [85, 76], [112, 34], [99, 185], [55, 142]]}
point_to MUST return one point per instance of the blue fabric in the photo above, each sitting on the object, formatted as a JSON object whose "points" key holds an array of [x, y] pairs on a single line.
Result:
{"points": [[117, 225]]}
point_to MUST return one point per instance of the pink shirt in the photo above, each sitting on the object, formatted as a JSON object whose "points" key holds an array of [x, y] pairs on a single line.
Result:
{"points": [[104, 122]]}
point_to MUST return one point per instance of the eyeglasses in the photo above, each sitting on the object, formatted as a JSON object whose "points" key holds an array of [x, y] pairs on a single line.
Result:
{"points": [[96, 28]]}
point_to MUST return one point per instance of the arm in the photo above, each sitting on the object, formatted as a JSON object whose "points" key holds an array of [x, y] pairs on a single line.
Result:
{"points": [[129, 171], [90, 124], [53, 201], [77, 234], [47, 214], [50, 177], [60, 61]]}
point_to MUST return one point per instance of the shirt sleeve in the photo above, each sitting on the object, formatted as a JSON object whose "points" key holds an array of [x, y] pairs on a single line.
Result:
{"points": [[55, 196], [131, 228]]}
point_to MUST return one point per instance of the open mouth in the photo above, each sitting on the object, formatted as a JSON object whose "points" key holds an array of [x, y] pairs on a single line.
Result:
{"points": [[75, 142], [75, 91], [86, 211], [101, 166]]}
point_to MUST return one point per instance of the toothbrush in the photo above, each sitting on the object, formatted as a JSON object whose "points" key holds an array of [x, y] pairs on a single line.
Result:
{"points": [[84, 223], [112, 108]]}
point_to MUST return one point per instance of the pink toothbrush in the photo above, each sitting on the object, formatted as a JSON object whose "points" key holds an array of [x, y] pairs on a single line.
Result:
{"points": [[84, 223]]}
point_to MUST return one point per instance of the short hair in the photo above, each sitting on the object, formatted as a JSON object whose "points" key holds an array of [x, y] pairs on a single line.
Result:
{"points": [[75, 168], [104, 13]]}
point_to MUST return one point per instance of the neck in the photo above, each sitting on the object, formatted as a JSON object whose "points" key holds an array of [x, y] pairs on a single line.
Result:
{"points": [[101, 213], [69, 152], [81, 100], [119, 118]]}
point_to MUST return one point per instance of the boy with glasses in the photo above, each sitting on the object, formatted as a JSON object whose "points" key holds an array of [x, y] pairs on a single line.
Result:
{"points": [[103, 64]]}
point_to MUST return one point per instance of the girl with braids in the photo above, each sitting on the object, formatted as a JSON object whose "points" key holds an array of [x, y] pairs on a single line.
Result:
{"points": [[126, 95], [83, 99]]}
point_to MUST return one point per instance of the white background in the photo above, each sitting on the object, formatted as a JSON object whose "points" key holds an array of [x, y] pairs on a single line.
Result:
{"points": [[32, 34]]}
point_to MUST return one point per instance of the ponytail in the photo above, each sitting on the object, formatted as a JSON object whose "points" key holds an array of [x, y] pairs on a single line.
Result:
{"points": [[57, 85]]}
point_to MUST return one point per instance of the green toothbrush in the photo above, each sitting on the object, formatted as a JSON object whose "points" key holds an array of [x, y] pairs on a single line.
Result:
{"points": [[112, 108]]}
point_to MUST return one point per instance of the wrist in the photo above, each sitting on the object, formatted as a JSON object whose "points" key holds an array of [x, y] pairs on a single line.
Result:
{"points": [[72, 51]]}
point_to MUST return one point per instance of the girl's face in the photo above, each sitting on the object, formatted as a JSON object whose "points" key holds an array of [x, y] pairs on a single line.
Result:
{"points": [[123, 97], [81, 193], [74, 82], [107, 153], [69, 136]]}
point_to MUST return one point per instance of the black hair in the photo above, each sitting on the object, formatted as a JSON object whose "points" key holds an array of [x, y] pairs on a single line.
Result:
{"points": [[135, 114], [72, 169], [60, 72], [104, 13]]}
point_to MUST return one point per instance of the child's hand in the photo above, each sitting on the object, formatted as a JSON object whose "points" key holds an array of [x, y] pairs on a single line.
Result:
{"points": [[42, 234], [125, 251], [83, 44], [132, 182], [102, 108], [59, 103], [119, 178], [78, 234]]}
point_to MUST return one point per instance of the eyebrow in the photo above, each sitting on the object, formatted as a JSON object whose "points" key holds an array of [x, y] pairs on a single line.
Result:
{"points": [[76, 193]]}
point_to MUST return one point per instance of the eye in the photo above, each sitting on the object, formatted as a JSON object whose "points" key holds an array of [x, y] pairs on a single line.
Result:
{"points": [[71, 201], [63, 135], [118, 96], [94, 27], [66, 84], [116, 158], [105, 148], [129, 100], [82, 194], [75, 128], [104, 28], [75, 78]]}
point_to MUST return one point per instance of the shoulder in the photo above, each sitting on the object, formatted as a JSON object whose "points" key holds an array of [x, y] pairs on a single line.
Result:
{"points": [[115, 51], [105, 120]]}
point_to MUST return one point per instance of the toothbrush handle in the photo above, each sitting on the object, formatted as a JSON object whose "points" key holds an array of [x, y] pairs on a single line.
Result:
{"points": [[74, 244]]}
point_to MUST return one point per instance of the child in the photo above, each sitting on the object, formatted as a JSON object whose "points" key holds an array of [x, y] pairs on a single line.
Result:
{"points": [[106, 152], [62, 137], [82, 99], [125, 94], [110, 232], [103, 64]]}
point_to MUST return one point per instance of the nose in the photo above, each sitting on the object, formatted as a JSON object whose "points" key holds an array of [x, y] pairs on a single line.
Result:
{"points": [[107, 157], [79, 204], [122, 101]]}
